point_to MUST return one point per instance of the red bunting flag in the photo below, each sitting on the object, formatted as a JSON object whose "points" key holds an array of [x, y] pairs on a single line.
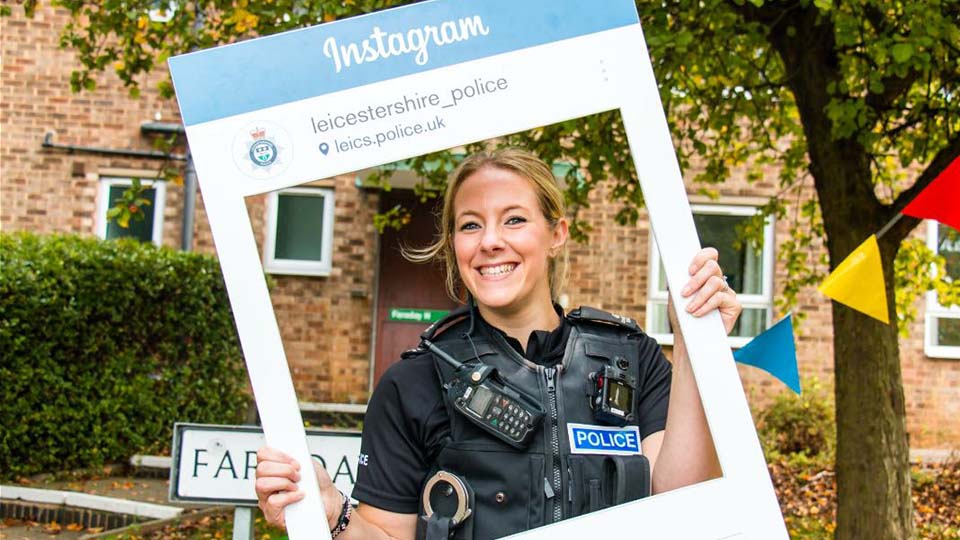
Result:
{"points": [[941, 199]]}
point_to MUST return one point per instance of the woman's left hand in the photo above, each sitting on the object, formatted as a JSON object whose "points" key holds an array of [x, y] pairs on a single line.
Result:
{"points": [[707, 289]]}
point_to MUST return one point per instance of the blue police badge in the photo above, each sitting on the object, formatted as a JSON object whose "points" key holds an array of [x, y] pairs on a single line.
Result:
{"points": [[604, 440]]}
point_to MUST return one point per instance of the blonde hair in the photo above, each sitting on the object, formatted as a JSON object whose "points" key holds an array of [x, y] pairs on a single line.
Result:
{"points": [[549, 195]]}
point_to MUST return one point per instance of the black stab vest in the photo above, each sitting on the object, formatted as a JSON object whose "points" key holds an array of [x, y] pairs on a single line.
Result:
{"points": [[518, 490]]}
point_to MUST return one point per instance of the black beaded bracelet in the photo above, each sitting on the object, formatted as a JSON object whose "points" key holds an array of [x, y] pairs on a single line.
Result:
{"points": [[344, 518]]}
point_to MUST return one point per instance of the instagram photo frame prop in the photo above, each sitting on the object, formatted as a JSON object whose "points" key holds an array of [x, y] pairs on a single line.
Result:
{"points": [[287, 109]]}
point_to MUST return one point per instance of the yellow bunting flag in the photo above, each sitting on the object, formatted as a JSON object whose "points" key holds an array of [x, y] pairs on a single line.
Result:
{"points": [[858, 281]]}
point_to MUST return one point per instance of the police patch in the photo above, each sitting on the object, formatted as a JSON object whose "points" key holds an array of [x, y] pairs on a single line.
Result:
{"points": [[604, 440]]}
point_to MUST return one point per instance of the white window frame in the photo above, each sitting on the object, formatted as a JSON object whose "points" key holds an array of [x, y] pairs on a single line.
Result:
{"points": [[752, 301], [935, 311], [158, 206], [296, 267]]}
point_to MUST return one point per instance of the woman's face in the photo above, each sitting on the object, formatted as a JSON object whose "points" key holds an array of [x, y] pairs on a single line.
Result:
{"points": [[502, 240]]}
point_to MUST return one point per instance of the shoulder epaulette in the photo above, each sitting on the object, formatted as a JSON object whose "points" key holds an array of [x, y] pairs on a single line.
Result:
{"points": [[436, 329], [450, 319], [589, 314], [410, 353]]}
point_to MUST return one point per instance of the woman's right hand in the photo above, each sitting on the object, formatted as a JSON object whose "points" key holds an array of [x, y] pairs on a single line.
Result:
{"points": [[276, 487]]}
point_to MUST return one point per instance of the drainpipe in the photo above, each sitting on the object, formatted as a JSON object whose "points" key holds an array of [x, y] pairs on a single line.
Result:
{"points": [[189, 203], [154, 154]]}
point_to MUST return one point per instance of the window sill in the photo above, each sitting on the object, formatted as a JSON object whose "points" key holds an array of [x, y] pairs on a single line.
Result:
{"points": [[666, 340], [942, 352], [293, 269]]}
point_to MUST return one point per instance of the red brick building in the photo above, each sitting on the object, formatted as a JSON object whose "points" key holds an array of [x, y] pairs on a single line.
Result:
{"points": [[334, 309]]}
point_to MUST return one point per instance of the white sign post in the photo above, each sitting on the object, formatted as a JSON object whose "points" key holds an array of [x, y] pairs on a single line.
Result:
{"points": [[284, 110]]}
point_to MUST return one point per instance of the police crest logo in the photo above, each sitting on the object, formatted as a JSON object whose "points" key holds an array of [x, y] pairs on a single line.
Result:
{"points": [[262, 150]]}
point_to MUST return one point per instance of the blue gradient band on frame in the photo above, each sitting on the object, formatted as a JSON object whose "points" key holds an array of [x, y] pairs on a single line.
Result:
{"points": [[260, 73]]}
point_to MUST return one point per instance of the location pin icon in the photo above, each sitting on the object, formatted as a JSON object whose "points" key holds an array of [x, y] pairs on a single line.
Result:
{"points": [[324, 147]]}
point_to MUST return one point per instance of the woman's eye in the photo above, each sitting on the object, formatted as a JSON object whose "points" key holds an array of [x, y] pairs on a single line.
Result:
{"points": [[516, 220], [469, 226]]}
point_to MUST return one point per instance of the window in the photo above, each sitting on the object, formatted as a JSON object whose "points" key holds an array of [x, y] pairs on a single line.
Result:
{"points": [[299, 237], [149, 229], [942, 323], [749, 272]]}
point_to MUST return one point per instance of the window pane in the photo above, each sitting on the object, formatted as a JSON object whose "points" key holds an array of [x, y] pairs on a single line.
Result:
{"points": [[140, 229], [752, 321], [660, 324], [948, 246], [299, 227], [948, 332], [743, 266]]}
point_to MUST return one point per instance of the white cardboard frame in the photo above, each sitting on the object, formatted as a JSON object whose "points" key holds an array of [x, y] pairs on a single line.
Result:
{"points": [[560, 59]]}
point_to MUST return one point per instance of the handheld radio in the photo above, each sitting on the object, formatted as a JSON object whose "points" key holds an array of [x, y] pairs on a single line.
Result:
{"points": [[484, 398]]}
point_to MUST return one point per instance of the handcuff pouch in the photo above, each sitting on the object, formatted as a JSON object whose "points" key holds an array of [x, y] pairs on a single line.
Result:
{"points": [[447, 507]]}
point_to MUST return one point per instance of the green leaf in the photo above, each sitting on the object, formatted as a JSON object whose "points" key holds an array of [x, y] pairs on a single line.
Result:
{"points": [[823, 5], [901, 52]]}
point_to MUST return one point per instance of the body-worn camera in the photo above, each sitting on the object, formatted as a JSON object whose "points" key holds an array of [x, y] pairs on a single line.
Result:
{"points": [[614, 396]]}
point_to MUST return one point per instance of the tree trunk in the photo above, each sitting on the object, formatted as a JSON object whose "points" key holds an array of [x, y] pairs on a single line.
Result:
{"points": [[872, 464], [873, 470]]}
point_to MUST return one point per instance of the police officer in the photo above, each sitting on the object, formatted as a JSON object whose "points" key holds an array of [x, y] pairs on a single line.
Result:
{"points": [[617, 419]]}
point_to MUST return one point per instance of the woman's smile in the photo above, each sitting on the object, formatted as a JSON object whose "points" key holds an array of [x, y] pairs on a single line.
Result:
{"points": [[497, 271]]}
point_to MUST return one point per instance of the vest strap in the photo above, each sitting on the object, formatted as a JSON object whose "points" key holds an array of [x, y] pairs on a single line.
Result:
{"points": [[438, 528]]}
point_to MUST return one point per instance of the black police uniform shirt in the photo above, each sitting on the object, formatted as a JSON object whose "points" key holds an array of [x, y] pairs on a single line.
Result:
{"points": [[406, 423]]}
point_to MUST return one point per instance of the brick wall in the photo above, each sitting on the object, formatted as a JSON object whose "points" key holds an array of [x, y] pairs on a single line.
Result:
{"points": [[47, 191], [326, 322]]}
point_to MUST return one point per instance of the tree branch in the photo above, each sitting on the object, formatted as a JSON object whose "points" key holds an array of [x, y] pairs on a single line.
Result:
{"points": [[939, 163], [893, 88], [770, 14]]}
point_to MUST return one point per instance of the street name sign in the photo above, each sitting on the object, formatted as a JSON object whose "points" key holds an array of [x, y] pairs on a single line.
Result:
{"points": [[217, 464]]}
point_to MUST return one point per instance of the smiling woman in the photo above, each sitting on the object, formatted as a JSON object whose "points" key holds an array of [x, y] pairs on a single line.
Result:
{"points": [[510, 399], [499, 210]]}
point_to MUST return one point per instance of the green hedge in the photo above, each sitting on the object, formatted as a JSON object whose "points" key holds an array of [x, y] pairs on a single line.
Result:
{"points": [[104, 346]]}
